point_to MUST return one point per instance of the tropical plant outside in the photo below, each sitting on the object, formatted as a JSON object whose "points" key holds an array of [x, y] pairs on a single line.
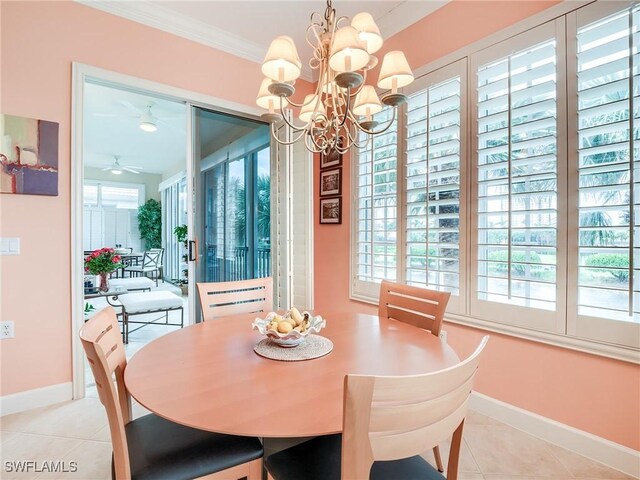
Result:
{"points": [[150, 223]]}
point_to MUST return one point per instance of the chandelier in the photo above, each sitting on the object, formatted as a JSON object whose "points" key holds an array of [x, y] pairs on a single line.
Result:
{"points": [[343, 105]]}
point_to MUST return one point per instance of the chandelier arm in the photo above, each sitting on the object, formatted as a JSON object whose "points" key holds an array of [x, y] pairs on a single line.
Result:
{"points": [[364, 81], [346, 109], [284, 142], [371, 132]]}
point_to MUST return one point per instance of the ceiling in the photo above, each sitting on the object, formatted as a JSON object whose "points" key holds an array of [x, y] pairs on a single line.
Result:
{"points": [[111, 128], [246, 28]]}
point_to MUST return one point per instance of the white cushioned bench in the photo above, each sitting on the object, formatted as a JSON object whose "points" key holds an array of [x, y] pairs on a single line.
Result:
{"points": [[132, 284], [149, 302]]}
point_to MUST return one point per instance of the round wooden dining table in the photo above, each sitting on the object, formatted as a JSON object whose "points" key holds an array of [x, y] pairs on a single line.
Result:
{"points": [[208, 376]]}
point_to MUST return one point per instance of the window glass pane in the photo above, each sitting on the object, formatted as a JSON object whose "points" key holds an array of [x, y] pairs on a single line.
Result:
{"points": [[608, 174], [377, 207], [433, 187], [263, 215], [517, 178], [120, 197], [90, 195]]}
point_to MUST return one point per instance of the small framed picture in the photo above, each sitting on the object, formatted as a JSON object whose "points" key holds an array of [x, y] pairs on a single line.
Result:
{"points": [[331, 159], [331, 182], [331, 210]]}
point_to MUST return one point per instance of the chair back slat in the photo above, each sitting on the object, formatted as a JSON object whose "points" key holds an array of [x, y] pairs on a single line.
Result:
{"points": [[389, 418], [234, 298], [102, 343], [417, 306], [151, 258], [393, 446]]}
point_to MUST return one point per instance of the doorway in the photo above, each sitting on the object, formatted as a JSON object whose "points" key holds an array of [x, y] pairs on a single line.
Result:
{"points": [[233, 168], [178, 189]]}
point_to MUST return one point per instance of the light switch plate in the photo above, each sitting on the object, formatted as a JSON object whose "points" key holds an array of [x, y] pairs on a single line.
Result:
{"points": [[9, 246]]}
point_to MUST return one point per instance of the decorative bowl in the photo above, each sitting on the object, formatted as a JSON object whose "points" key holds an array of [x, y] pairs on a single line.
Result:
{"points": [[292, 338]]}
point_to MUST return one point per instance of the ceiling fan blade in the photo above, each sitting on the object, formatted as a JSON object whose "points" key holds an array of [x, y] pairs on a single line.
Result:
{"points": [[130, 106], [106, 169], [130, 170]]}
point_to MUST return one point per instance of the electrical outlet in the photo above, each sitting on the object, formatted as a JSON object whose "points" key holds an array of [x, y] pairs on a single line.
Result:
{"points": [[6, 330]]}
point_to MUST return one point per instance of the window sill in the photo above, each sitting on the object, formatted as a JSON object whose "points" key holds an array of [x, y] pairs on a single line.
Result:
{"points": [[616, 352]]}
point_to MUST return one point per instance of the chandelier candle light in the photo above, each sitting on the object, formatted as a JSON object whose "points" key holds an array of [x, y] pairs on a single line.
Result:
{"points": [[342, 104]]}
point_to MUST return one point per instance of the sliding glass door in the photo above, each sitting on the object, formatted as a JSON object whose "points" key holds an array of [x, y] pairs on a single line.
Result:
{"points": [[232, 177]]}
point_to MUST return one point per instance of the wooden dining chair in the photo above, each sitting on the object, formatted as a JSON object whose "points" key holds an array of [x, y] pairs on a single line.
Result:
{"points": [[387, 423], [151, 447], [417, 306], [221, 299]]}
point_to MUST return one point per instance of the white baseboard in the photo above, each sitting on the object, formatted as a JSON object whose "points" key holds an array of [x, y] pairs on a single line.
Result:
{"points": [[596, 448], [38, 397]]}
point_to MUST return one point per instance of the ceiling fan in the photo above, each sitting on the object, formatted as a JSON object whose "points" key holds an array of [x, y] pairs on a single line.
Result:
{"points": [[148, 122], [118, 169]]}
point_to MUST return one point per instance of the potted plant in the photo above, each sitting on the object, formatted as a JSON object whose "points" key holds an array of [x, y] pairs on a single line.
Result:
{"points": [[150, 223], [181, 234], [102, 262]]}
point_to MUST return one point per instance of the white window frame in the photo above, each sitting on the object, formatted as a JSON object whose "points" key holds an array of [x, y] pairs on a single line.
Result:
{"points": [[457, 303], [100, 183], [583, 326], [533, 318], [565, 333]]}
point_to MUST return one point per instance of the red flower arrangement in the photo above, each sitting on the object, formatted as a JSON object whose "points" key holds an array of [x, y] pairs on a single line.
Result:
{"points": [[102, 261]]}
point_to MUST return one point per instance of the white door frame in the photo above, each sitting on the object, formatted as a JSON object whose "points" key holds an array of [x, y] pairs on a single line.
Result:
{"points": [[82, 73]]}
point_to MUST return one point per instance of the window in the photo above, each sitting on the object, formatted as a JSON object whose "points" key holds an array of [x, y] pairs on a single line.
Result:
{"points": [[516, 136], [433, 220], [377, 209], [606, 269], [110, 214], [549, 184]]}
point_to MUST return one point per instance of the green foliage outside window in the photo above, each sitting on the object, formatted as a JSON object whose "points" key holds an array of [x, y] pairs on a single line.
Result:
{"points": [[150, 224], [613, 262]]}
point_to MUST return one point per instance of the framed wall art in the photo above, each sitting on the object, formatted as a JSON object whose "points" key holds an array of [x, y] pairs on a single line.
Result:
{"points": [[331, 182], [331, 210], [28, 156], [331, 159]]}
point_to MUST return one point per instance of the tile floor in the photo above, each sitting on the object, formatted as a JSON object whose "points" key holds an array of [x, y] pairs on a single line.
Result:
{"points": [[77, 431]]}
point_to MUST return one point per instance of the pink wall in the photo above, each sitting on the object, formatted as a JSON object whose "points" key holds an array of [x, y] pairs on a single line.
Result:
{"points": [[39, 42], [592, 393]]}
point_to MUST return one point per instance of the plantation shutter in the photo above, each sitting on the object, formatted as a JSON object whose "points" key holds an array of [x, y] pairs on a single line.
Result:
{"points": [[281, 227], [302, 223], [515, 135], [376, 208], [606, 89], [434, 151], [292, 222]]}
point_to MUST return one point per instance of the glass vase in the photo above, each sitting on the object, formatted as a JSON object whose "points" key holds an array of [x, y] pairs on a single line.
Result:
{"points": [[104, 282]]}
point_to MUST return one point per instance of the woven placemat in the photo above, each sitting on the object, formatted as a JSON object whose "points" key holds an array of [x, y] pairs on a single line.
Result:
{"points": [[313, 346]]}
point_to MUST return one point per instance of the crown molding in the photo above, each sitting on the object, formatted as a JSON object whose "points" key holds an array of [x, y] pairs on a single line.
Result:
{"points": [[155, 15], [395, 20]]}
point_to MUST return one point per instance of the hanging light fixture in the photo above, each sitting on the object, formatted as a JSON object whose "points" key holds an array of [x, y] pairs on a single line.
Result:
{"points": [[148, 121], [342, 105]]}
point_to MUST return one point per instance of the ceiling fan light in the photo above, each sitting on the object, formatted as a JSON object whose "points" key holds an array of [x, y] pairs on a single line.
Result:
{"points": [[348, 53], [116, 171], [367, 102], [282, 63], [368, 31], [148, 123]]}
